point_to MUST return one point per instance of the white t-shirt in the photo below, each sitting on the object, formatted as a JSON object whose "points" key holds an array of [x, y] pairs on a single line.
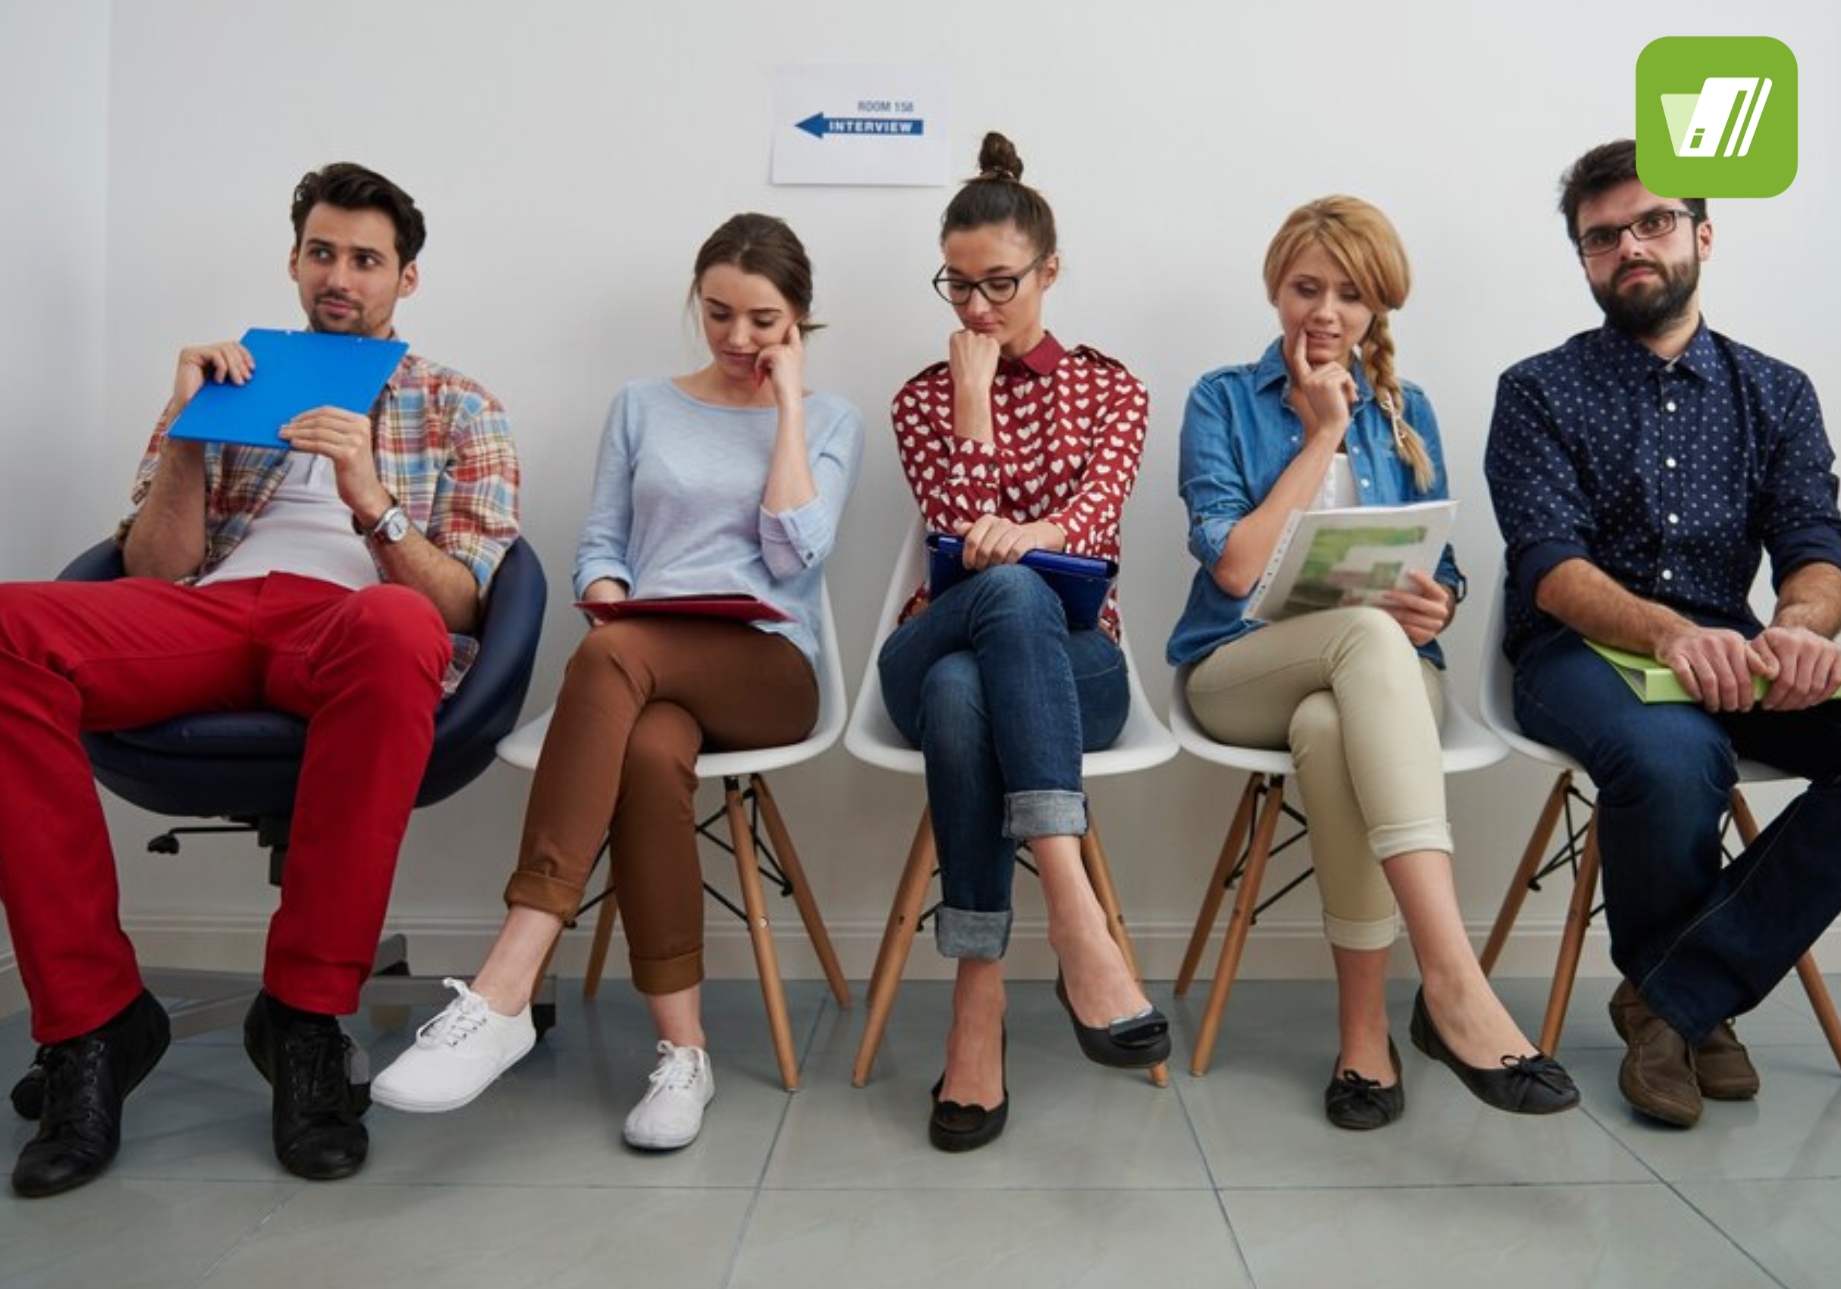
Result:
{"points": [[1338, 490], [305, 529]]}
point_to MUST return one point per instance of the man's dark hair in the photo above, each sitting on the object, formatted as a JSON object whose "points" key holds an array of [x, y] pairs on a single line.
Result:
{"points": [[1603, 168], [351, 187]]}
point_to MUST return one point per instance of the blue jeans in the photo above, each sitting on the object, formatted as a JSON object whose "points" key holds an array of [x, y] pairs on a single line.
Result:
{"points": [[1001, 698], [1700, 942]]}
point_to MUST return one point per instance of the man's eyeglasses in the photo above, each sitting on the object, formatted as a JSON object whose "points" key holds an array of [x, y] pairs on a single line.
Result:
{"points": [[998, 289], [1645, 228]]}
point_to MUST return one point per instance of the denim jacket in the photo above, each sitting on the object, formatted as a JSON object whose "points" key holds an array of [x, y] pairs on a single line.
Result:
{"points": [[1239, 434]]}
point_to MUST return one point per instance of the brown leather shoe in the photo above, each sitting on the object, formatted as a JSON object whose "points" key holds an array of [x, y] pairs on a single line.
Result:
{"points": [[1657, 1076], [1723, 1067]]}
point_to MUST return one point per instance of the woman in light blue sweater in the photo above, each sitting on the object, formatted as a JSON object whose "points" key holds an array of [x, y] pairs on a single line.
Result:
{"points": [[729, 479]]}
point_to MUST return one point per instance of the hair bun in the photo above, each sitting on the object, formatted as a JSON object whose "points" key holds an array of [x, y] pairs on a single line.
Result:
{"points": [[997, 159]]}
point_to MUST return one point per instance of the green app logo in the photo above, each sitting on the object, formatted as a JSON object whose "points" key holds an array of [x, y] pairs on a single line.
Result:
{"points": [[1716, 116]]}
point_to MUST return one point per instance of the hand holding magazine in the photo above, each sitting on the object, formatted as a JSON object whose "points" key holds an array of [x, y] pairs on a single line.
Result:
{"points": [[1331, 559]]}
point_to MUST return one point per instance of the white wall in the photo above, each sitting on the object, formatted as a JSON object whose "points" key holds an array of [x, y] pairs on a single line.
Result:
{"points": [[54, 94], [571, 156]]}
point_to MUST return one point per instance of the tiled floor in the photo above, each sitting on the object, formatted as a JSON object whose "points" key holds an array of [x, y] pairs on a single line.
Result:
{"points": [[1101, 1179]]}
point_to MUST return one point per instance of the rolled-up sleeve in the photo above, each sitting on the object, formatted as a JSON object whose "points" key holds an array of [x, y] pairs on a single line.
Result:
{"points": [[1534, 485], [602, 550], [796, 540], [475, 512], [1211, 474], [1797, 519]]}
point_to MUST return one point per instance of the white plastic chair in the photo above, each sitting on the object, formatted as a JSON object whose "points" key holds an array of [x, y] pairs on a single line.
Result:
{"points": [[746, 810], [1464, 744], [872, 738], [1498, 704]]}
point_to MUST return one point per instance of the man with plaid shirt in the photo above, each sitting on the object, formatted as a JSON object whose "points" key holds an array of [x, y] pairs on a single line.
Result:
{"points": [[338, 581]]}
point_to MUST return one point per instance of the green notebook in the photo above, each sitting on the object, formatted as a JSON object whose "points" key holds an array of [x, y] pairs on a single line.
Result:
{"points": [[1653, 682]]}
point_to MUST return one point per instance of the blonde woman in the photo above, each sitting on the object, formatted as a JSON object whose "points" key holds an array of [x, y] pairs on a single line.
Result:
{"points": [[1322, 420]]}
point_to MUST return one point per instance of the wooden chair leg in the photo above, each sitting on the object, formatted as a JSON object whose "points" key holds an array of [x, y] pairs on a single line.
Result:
{"points": [[1807, 972], [1217, 884], [605, 917], [1821, 1001], [760, 931], [1524, 871], [1572, 941], [802, 890], [1238, 924], [897, 942], [1099, 874]]}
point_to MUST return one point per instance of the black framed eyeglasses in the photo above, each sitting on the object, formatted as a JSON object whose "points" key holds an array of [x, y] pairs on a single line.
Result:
{"points": [[1000, 288], [1645, 228]]}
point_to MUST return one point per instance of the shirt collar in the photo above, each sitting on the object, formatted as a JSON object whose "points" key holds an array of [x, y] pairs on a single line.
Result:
{"points": [[1271, 370], [1632, 357], [400, 372], [1043, 359]]}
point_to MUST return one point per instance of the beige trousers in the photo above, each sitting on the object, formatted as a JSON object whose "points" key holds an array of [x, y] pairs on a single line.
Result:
{"points": [[1359, 709]]}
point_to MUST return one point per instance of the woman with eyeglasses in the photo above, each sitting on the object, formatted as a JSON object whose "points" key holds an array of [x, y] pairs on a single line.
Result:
{"points": [[731, 478], [1015, 443], [1321, 420]]}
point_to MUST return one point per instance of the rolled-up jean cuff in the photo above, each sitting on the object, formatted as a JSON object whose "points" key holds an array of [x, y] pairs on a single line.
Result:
{"points": [[1399, 839], [1345, 934], [1045, 813], [546, 894], [667, 975], [970, 933]]}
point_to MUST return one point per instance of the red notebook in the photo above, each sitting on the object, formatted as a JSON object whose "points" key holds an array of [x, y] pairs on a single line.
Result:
{"points": [[736, 606]]}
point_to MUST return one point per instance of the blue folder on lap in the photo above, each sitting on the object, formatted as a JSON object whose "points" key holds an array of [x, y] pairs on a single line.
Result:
{"points": [[1081, 581], [296, 371]]}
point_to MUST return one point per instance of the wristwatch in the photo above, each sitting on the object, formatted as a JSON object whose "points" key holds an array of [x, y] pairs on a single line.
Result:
{"points": [[391, 526]]}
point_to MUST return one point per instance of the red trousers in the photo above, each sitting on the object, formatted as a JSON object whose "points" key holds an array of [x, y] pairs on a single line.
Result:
{"points": [[363, 668]]}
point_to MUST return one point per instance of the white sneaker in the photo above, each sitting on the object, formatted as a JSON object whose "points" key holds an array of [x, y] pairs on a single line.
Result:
{"points": [[456, 1056], [671, 1113]]}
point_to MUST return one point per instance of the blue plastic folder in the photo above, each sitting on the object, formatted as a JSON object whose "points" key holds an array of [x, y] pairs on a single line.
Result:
{"points": [[296, 371], [1080, 581]]}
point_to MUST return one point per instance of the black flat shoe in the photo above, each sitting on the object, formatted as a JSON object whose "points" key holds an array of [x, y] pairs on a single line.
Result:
{"points": [[1535, 1084], [1129, 1043], [1362, 1104], [86, 1079], [316, 1108], [953, 1127]]}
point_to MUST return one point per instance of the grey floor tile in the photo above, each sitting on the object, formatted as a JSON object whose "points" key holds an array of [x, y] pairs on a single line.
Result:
{"points": [[463, 1237], [1258, 1114], [1012, 1239], [128, 1234], [554, 1119], [1505, 1237], [1072, 1123], [1793, 1129], [1789, 1227]]}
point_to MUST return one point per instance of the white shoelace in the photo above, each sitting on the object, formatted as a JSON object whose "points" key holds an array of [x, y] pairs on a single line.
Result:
{"points": [[458, 1021], [677, 1072]]}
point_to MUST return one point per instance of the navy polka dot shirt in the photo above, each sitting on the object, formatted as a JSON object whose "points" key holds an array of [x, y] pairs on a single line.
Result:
{"points": [[1672, 477]]}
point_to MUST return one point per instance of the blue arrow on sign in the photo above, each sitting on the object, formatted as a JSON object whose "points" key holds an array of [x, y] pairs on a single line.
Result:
{"points": [[818, 125]]}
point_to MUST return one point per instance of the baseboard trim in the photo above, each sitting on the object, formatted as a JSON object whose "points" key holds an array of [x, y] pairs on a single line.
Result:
{"points": [[1292, 950]]}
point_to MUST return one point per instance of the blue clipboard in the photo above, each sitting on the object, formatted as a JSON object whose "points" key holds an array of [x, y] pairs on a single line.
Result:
{"points": [[1081, 581], [296, 371]]}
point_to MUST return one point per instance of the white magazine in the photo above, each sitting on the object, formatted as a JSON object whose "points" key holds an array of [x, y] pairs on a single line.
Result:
{"points": [[1329, 559]]}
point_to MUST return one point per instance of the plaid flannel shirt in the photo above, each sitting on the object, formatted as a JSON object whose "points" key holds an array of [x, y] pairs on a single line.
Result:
{"points": [[444, 451]]}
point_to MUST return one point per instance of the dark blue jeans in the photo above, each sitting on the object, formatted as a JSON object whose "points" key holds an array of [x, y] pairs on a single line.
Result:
{"points": [[1700, 942], [1001, 698]]}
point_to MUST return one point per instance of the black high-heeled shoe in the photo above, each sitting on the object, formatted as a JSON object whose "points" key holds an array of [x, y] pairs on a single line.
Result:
{"points": [[954, 1127], [1128, 1043], [1535, 1084]]}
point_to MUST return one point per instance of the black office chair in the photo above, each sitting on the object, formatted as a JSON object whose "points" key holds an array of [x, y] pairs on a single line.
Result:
{"points": [[242, 766]]}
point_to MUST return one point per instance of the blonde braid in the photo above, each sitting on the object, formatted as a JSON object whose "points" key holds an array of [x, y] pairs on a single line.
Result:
{"points": [[1378, 359]]}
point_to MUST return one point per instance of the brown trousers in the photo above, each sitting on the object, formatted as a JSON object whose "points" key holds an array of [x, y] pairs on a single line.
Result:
{"points": [[640, 699]]}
